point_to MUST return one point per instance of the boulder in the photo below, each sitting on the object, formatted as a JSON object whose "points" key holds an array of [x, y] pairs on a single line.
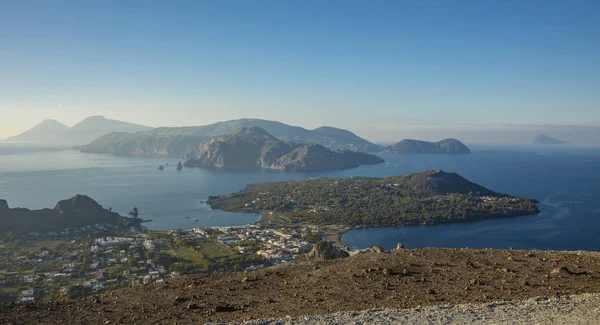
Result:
{"points": [[374, 249], [400, 246], [326, 250]]}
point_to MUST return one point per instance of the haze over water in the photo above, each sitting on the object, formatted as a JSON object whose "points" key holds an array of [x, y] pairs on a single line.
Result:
{"points": [[565, 180]]}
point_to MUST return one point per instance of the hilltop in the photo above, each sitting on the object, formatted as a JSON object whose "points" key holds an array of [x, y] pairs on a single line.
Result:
{"points": [[78, 211], [402, 278], [45, 129], [54, 132], [546, 140], [450, 146], [177, 141], [430, 197], [254, 148]]}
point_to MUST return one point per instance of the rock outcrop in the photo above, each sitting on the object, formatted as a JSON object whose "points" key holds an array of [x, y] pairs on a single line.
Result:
{"points": [[3, 207], [326, 250], [254, 148]]}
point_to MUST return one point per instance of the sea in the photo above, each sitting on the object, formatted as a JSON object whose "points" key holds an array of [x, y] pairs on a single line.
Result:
{"points": [[566, 181]]}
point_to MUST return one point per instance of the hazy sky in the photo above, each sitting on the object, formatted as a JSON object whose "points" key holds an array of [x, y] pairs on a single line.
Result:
{"points": [[370, 66]]}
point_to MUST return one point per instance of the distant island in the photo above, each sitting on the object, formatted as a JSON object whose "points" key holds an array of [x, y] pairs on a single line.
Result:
{"points": [[546, 140], [430, 197], [78, 211], [252, 148], [176, 142], [448, 146], [54, 132]]}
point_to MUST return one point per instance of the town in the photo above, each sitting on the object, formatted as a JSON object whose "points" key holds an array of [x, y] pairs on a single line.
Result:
{"points": [[76, 262]]}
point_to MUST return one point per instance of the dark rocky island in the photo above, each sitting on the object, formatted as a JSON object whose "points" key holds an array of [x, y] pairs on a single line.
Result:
{"points": [[448, 146], [78, 211], [546, 140], [430, 197], [253, 148]]}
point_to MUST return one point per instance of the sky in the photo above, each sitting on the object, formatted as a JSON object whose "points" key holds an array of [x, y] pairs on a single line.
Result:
{"points": [[382, 69]]}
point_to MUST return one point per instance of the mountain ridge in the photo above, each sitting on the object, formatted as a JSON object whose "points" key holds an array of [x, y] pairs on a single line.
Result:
{"points": [[176, 141], [46, 127], [53, 132]]}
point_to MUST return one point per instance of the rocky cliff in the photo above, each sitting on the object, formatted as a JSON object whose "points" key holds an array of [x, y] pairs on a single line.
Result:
{"points": [[254, 148]]}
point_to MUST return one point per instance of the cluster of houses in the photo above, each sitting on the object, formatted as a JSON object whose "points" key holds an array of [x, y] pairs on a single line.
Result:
{"points": [[90, 229], [113, 261], [275, 245], [104, 252], [493, 198]]}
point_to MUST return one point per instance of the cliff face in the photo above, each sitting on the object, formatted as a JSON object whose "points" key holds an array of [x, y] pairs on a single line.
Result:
{"points": [[254, 148], [77, 211], [449, 146]]}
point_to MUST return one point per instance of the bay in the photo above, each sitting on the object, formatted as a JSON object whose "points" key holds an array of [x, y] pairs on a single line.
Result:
{"points": [[565, 180]]}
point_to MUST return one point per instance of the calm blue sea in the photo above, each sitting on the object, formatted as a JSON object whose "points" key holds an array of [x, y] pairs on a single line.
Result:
{"points": [[565, 179]]}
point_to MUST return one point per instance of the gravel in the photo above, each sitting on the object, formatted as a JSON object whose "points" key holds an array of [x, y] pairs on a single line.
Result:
{"points": [[578, 309]]}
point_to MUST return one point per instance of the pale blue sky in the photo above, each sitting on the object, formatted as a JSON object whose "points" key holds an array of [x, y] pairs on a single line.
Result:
{"points": [[370, 66]]}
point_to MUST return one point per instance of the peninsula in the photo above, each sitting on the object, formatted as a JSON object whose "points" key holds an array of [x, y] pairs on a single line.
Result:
{"points": [[76, 212], [426, 198]]}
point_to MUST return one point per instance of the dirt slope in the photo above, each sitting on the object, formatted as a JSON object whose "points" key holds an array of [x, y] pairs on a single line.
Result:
{"points": [[402, 278]]}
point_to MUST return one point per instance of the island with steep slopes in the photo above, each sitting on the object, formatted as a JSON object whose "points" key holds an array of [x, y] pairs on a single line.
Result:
{"points": [[545, 140], [448, 146]]}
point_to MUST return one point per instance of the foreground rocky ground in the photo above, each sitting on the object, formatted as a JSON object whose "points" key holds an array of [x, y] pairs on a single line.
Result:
{"points": [[402, 278], [578, 309]]}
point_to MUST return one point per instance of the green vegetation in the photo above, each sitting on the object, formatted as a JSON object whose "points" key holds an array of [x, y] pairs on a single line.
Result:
{"points": [[196, 254], [59, 268], [430, 197]]}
